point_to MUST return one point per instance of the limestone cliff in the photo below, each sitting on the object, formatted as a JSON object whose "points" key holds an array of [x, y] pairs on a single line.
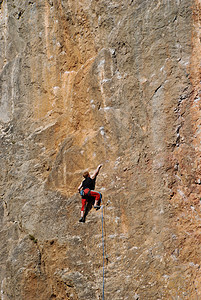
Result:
{"points": [[88, 82]]}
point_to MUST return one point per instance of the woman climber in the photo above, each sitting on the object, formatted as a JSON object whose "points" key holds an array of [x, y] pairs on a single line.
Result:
{"points": [[86, 190]]}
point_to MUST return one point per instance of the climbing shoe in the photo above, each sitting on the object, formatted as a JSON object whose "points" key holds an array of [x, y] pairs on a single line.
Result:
{"points": [[97, 207], [82, 220]]}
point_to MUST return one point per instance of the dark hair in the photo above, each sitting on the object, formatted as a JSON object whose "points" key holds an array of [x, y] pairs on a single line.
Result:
{"points": [[86, 174]]}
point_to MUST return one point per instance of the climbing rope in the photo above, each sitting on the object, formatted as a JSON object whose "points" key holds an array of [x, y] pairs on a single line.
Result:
{"points": [[103, 255]]}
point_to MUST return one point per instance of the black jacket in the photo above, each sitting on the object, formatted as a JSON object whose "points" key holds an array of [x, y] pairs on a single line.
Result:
{"points": [[89, 183]]}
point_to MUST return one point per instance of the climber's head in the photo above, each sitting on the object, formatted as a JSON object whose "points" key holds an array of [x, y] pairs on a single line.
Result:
{"points": [[86, 174]]}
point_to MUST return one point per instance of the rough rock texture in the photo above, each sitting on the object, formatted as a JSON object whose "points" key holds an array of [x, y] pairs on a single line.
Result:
{"points": [[88, 82]]}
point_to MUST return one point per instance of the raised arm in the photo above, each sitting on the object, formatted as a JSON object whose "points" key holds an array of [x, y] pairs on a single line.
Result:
{"points": [[96, 172]]}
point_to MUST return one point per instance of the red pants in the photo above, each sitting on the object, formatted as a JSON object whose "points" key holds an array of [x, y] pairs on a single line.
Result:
{"points": [[87, 193]]}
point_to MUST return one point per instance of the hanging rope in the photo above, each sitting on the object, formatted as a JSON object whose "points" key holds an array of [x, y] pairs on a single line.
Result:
{"points": [[103, 255]]}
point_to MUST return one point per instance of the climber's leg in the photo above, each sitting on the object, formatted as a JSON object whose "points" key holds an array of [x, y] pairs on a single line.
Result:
{"points": [[84, 201], [97, 197]]}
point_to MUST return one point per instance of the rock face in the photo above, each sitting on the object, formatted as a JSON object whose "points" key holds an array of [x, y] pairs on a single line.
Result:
{"points": [[88, 82]]}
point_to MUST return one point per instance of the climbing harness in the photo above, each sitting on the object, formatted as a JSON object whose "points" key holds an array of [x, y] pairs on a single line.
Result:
{"points": [[82, 193], [103, 254]]}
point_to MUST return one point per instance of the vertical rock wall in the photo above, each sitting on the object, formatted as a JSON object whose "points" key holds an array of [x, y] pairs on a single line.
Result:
{"points": [[88, 82]]}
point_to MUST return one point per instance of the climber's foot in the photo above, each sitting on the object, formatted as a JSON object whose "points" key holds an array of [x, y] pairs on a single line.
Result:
{"points": [[97, 207], [82, 220]]}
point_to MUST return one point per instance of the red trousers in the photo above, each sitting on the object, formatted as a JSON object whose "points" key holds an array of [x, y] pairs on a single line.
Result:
{"points": [[87, 193]]}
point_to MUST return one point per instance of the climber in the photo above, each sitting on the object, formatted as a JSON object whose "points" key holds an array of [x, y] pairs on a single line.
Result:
{"points": [[86, 190]]}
